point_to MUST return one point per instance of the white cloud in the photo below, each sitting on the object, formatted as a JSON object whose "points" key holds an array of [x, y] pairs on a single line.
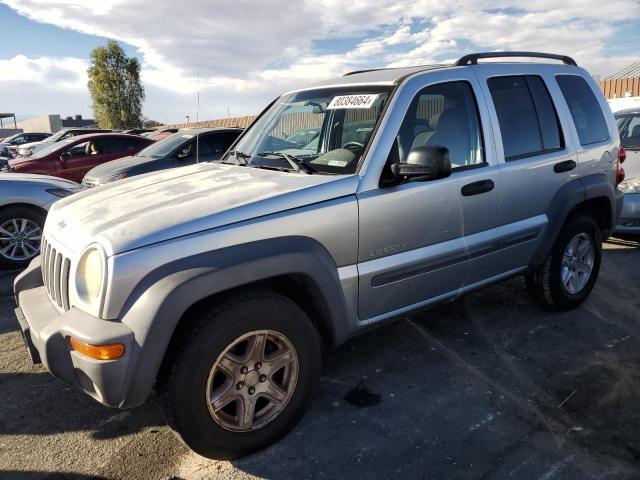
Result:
{"points": [[248, 51]]}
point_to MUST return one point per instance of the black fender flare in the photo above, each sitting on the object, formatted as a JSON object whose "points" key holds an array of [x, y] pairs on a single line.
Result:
{"points": [[568, 197], [162, 297]]}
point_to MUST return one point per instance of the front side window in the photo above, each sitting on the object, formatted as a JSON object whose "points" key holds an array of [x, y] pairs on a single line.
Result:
{"points": [[526, 115], [629, 128], [444, 115], [323, 131], [585, 109]]}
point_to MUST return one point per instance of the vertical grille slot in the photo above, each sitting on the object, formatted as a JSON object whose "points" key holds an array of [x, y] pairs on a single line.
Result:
{"points": [[55, 274], [51, 270], [43, 259], [57, 296], [64, 283]]}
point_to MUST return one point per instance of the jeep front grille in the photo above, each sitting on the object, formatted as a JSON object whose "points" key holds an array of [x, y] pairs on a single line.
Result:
{"points": [[55, 274]]}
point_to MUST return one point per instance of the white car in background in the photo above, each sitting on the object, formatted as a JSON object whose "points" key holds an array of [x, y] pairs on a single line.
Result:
{"points": [[28, 149], [24, 202], [628, 122]]}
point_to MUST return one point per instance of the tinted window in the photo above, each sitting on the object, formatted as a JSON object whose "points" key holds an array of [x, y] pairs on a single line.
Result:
{"points": [[516, 115], [585, 109], [548, 119], [446, 115]]}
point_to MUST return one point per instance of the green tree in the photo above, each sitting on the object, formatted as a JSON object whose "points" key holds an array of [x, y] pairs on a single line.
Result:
{"points": [[115, 87]]}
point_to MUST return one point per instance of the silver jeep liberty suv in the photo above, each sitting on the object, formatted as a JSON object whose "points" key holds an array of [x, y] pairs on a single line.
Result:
{"points": [[219, 283]]}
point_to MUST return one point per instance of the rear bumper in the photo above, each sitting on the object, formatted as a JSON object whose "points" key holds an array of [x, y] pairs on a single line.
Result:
{"points": [[629, 221], [46, 332]]}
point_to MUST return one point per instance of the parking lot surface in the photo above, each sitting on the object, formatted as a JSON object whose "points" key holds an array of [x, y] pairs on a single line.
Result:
{"points": [[491, 386]]}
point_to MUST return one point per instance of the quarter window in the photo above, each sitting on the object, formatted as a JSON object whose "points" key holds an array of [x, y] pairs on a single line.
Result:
{"points": [[585, 109], [526, 115], [446, 115]]}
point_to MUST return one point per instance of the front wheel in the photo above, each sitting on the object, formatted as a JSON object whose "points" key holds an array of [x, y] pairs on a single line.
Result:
{"points": [[570, 272], [242, 375]]}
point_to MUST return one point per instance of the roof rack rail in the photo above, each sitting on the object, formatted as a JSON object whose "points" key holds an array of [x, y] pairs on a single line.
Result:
{"points": [[355, 72], [472, 59]]}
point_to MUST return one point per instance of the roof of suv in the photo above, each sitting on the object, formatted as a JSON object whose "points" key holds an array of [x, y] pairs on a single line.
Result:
{"points": [[392, 75], [628, 111], [200, 130]]}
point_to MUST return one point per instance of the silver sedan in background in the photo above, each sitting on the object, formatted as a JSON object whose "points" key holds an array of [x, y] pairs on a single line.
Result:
{"points": [[628, 122], [24, 202]]}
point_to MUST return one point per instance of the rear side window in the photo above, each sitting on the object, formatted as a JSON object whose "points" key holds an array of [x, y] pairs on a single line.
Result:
{"points": [[526, 114], [585, 109]]}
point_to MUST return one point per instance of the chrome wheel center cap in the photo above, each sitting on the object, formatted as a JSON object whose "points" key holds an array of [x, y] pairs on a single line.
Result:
{"points": [[252, 378]]}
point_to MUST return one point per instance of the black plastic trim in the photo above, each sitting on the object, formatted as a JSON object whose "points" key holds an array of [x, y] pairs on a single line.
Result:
{"points": [[472, 59]]}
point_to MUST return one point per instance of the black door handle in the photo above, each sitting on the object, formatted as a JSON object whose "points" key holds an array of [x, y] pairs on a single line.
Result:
{"points": [[564, 166], [477, 188]]}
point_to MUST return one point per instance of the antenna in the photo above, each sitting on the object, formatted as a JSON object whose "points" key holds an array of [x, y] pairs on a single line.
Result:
{"points": [[198, 114]]}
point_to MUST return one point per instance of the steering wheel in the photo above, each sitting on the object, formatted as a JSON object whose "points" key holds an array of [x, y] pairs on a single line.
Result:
{"points": [[353, 145]]}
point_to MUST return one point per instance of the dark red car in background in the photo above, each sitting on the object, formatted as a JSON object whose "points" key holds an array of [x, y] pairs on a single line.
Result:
{"points": [[74, 157]]}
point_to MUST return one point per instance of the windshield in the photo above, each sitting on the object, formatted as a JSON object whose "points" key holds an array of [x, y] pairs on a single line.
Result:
{"points": [[43, 152], [57, 136], [11, 138], [629, 128], [164, 147], [315, 131]]}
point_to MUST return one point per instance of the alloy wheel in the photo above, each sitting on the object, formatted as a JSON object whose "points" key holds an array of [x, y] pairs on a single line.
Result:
{"points": [[252, 381], [20, 239], [577, 263]]}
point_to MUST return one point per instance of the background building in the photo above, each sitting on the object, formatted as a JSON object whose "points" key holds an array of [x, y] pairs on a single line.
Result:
{"points": [[53, 123], [622, 89]]}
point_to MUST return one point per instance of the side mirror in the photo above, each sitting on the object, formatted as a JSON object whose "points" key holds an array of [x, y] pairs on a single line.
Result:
{"points": [[64, 156], [429, 162]]}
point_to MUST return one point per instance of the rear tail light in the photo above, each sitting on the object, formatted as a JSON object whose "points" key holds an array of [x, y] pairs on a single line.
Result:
{"points": [[622, 156]]}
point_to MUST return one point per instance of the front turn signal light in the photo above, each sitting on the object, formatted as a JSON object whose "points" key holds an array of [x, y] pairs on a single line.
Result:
{"points": [[109, 351]]}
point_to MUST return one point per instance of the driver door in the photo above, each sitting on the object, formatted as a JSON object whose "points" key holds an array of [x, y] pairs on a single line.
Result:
{"points": [[420, 240]]}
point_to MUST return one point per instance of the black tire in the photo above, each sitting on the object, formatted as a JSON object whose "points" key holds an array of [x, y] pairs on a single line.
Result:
{"points": [[182, 390], [545, 284], [9, 213]]}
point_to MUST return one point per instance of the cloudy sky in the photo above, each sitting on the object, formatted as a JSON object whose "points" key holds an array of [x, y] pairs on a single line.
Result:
{"points": [[250, 51]]}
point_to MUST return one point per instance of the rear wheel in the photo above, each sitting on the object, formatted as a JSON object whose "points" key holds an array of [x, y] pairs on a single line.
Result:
{"points": [[242, 376], [568, 275], [20, 236]]}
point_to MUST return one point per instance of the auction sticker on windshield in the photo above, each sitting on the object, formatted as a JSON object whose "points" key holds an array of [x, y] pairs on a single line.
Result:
{"points": [[352, 101]]}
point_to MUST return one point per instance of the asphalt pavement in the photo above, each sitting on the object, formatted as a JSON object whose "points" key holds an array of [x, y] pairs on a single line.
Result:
{"points": [[491, 386]]}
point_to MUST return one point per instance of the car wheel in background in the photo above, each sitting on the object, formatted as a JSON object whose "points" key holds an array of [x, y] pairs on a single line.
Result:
{"points": [[20, 235]]}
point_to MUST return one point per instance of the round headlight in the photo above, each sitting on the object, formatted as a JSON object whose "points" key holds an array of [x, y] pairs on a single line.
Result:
{"points": [[89, 275]]}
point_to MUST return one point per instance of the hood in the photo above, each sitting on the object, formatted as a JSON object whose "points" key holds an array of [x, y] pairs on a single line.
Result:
{"points": [[46, 180], [17, 162], [154, 207], [114, 167]]}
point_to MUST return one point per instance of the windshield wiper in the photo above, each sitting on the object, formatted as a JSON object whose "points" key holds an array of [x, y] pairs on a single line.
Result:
{"points": [[241, 156], [296, 163]]}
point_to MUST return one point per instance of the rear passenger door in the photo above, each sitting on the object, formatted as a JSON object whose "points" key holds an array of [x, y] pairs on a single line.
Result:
{"points": [[536, 155]]}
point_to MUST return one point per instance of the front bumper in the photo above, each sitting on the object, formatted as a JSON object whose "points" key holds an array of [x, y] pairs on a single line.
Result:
{"points": [[46, 332], [629, 221]]}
